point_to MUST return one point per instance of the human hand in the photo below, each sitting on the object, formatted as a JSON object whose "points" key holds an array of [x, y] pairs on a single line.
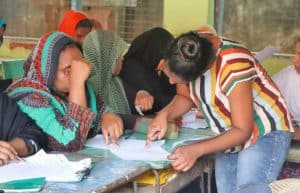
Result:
{"points": [[183, 158], [80, 71], [118, 66], [112, 127], [7, 152], [144, 100], [161, 66], [157, 129]]}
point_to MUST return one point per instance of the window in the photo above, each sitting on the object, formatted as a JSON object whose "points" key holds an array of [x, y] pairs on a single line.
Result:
{"points": [[128, 18], [258, 23], [32, 18]]}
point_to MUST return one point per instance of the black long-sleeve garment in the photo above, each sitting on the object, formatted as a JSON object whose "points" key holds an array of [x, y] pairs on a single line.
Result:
{"points": [[13, 123], [4, 84], [139, 69]]}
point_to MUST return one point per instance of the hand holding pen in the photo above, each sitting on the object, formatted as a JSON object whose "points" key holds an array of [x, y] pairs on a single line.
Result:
{"points": [[152, 135], [7, 153], [157, 129]]}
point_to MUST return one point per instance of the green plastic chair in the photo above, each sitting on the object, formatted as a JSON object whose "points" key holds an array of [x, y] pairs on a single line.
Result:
{"points": [[12, 68]]}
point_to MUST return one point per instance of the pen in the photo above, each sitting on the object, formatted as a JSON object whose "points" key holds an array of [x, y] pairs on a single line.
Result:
{"points": [[19, 159], [149, 139], [138, 109]]}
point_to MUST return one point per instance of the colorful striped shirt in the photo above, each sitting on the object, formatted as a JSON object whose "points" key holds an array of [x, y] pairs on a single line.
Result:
{"points": [[235, 64]]}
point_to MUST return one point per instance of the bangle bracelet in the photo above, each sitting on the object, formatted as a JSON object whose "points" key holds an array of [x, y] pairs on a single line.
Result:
{"points": [[32, 146]]}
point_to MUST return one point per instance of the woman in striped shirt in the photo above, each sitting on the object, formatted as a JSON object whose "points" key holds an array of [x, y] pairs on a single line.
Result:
{"points": [[241, 105]]}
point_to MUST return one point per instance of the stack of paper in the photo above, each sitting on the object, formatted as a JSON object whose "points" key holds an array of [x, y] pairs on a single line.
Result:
{"points": [[132, 149], [54, 167]]}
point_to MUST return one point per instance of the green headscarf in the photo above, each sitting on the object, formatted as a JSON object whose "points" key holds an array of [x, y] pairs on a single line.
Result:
{"points": [[33, 92], [102, 48]]}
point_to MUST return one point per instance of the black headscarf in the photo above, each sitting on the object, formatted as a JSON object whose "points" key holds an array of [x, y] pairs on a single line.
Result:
{"points": [[139, 64]]}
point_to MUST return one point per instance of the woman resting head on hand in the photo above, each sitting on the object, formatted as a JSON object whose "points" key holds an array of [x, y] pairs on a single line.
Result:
{"points": [[55, 95]]}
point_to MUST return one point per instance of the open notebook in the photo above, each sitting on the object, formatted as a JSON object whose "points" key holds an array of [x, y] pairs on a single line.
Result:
{"points": [[132, 149], [54, 167]]}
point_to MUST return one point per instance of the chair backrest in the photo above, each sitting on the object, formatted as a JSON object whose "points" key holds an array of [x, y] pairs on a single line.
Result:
{"points": [[288, 185], [12, 68]]}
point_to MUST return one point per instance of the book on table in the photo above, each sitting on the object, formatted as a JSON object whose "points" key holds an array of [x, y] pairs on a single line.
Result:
{"points": [[51, 167]]}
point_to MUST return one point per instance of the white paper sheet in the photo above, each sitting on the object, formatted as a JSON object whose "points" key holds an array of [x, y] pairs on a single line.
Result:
{"points": [[55, 167], [197, 124], [132, 149], [189, 120], [97, 141], [265, 53]]}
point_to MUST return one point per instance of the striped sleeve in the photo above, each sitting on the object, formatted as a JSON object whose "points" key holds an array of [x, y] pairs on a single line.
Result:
{"points": [[237, 68]]}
